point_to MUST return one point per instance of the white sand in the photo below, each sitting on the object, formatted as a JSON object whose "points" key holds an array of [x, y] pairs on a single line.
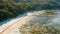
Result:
{"points": [[12, 27]]}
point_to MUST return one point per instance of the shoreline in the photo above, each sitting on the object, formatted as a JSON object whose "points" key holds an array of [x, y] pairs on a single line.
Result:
{"points": [[8, 27]]}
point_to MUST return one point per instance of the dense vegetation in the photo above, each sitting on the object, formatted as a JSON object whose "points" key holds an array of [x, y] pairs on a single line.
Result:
{"points": [[12, 8]]}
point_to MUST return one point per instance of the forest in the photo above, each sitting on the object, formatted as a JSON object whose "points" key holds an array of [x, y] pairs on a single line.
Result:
{"points": [[13, 8]]}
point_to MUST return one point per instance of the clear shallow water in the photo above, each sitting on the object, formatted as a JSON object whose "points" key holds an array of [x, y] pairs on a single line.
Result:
{"points": [[52, 21], [49, 20]]}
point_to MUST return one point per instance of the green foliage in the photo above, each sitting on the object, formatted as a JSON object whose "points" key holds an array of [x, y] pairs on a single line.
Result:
{"points": [[50, 12], [4, 14], [22, 6]]}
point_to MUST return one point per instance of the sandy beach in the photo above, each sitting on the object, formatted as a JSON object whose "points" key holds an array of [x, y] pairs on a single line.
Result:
{"points": [[12, 27]]}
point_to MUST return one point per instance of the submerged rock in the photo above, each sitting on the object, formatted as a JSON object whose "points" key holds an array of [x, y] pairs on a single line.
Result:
{"points": [[41, 23]]}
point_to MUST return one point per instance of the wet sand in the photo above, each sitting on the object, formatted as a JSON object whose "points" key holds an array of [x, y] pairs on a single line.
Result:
{"points": [[12, 27]]}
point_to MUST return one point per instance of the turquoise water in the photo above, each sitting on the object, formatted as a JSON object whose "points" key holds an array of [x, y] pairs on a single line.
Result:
{"points": [[8, 20], [41, 18], [12, 19], [5, 21]]}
